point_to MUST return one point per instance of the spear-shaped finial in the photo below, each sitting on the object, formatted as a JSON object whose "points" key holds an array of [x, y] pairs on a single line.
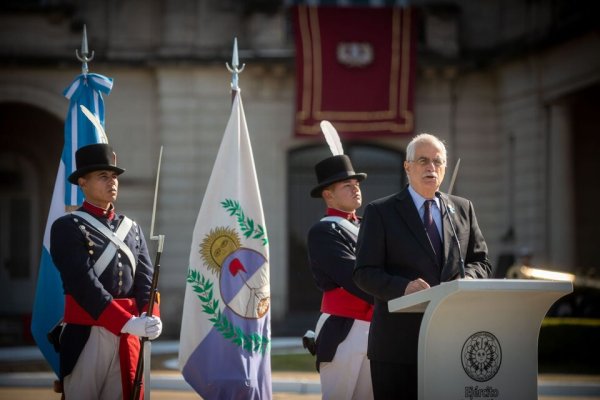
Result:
{"points": [[234, 69], [85, 56]]}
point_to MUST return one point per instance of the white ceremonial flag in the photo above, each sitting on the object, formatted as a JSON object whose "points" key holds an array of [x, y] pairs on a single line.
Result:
{"points": [[225, 331]]}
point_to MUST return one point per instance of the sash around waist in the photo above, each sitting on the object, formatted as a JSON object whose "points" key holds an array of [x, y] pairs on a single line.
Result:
{"points": [[342, 303]]}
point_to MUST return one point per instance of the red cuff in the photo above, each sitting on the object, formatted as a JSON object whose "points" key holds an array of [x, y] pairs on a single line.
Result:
{"points": [[114, 317], [116, 314]]}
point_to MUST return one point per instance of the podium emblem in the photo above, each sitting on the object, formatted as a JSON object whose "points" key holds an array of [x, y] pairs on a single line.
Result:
{"points": [[481, 356]]}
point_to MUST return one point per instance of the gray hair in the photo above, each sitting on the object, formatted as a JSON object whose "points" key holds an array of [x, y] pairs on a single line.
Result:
{"points": [[424, 138]]}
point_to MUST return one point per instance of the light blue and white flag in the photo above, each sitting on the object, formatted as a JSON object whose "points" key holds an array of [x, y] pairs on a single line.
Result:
{"points": [[48, 306], [225, 338]]}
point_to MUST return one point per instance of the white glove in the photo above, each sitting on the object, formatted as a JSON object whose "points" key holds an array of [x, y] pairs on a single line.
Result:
{"points": [[136, 326], [153, 327]]}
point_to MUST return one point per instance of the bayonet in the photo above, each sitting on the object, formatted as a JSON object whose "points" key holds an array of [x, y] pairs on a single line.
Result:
{"points": [[453, 179]]}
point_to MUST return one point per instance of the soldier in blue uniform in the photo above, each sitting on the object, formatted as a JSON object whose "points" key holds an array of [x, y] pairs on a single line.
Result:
{"points": [[343, 327], [106, 273]]}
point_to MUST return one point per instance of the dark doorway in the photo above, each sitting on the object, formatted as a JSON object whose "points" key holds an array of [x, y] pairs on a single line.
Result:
{"points": [[585, 144], [29, 158], [385, 176]]}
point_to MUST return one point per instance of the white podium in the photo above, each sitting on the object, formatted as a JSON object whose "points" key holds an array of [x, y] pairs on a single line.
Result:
{"points": [[479, 338]]}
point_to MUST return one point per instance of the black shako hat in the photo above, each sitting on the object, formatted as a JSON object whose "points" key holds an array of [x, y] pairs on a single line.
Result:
{"points": [[334, 169], [94, 157]]}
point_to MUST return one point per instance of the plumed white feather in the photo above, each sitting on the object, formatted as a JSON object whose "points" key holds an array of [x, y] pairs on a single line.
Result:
{"points": [[332, 138], [96, 122]]}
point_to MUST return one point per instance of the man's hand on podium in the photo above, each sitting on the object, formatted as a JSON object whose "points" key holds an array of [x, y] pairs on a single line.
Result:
{"points": [[416, 286]]}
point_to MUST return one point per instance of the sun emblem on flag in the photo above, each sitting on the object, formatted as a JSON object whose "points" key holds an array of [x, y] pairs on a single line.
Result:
{"points": [[217, 245]]}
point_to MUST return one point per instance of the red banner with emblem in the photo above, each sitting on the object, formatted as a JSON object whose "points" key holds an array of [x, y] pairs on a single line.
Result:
{"points": [[355, 68]]}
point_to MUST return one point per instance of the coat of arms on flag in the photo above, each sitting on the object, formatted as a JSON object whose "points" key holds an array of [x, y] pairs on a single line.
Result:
{"points": [[242, 275]]}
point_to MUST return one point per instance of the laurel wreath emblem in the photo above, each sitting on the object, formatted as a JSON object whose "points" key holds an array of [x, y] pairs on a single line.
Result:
{"points": [[247, 225], [203, 288]]}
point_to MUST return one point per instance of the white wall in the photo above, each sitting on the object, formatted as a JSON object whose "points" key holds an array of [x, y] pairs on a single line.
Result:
{"points": [[530, 90]]}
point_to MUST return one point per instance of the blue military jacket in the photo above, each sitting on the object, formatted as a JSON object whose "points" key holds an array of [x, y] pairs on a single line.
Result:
{"points": [[331, 253], [75, 246]]}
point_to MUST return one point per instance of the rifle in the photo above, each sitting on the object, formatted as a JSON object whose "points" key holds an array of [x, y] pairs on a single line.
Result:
{"points": [[137, 381], [453, 179]]}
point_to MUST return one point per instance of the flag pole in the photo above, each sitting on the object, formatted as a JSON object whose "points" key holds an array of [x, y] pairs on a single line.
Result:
{"points": [[235, 69], [85, 56], [48, 307], [222, 342]]}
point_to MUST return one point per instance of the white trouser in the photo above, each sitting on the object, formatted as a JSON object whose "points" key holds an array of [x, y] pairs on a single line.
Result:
{"points": [[97, 373], [348, 375]]}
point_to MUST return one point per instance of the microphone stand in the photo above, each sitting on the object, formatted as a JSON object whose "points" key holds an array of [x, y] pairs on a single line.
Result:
{"points": [[139, 371], [461, 266]]}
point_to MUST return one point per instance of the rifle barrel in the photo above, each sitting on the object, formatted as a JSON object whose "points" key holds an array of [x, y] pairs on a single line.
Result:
{"points": [[139, 370]]}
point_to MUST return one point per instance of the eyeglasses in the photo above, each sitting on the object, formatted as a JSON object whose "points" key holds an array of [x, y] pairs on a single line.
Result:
{"points": [[423, 161]]}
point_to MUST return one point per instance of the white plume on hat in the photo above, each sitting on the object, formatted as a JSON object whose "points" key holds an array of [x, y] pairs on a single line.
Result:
{"points": [[96, 122], [332, 138]]}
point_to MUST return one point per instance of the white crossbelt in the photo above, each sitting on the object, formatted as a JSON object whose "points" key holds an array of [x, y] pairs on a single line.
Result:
{"points": [[116, 241], [343, 222], [350, 227]]}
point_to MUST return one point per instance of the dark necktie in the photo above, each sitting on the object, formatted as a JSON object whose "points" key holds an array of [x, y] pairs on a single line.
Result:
{"points": [[432, 232]]}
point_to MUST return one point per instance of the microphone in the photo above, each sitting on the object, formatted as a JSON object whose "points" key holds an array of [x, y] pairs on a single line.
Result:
{"points": [[461, 266]]}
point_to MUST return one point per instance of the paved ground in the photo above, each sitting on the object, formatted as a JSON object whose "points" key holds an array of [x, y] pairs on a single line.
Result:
{"points": [[302, 386], [7, 393], [25, 376], [299, 383]]}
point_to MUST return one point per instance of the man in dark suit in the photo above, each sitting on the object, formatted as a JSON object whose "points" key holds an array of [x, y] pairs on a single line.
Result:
{"points": [[406, 244]]}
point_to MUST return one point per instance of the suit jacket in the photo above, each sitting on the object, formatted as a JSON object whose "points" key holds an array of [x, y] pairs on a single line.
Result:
{"points": [[393, 249]]}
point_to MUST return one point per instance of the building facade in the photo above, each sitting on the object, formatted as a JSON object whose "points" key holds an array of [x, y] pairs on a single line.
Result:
{"points": [[511, 86]]}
